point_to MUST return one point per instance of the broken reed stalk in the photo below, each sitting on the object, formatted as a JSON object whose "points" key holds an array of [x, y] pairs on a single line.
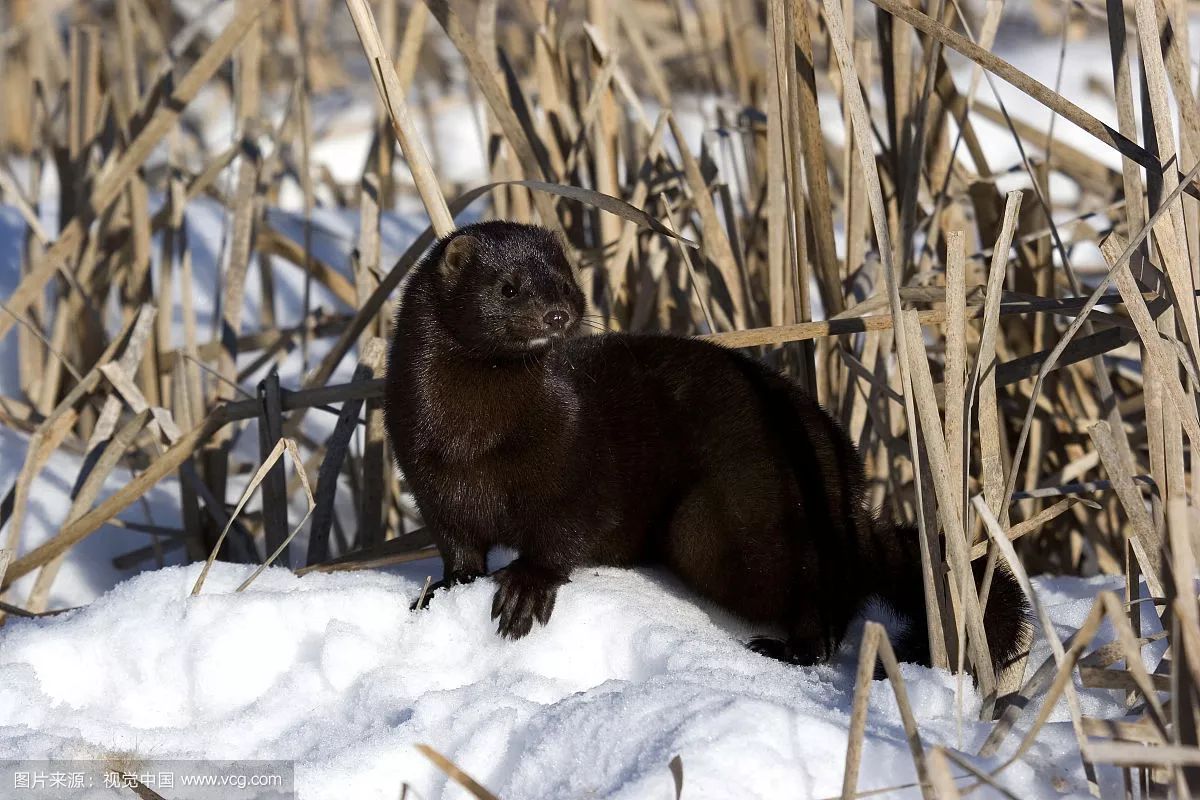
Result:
{"points": [[387, 82], [925, 349]]}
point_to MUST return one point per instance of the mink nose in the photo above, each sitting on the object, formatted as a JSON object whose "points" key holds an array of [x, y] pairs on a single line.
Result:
{"points": [[556, 318]]}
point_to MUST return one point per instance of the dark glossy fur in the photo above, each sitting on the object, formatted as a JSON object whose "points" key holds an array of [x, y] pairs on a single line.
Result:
{"points": [[632, 449]]}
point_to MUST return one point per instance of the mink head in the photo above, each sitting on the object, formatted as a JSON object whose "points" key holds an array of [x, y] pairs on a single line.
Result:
{"points": [[505, 289]]}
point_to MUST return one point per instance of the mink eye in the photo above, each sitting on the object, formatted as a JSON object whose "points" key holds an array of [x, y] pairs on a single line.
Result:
{"points": [[508, 290]]}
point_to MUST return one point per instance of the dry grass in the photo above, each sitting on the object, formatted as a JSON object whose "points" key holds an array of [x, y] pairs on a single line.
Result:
{"points": [[973, 376]]}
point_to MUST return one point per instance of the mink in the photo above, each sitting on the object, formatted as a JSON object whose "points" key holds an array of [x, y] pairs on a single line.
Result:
{"points": [[633, 449]]}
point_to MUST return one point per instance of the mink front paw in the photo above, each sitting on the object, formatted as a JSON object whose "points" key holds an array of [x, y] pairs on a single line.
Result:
{"points": [[453, 579], [523, 593]]}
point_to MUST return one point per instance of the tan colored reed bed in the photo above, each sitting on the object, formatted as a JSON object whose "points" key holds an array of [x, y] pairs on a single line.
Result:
{"points": [[973, 376]]}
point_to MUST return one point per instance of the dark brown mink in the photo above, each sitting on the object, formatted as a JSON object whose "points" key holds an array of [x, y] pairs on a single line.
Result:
{"points": [[623, 450]]}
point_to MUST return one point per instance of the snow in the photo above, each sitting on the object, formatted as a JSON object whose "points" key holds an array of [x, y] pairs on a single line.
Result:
{"points": [[334, 672]]}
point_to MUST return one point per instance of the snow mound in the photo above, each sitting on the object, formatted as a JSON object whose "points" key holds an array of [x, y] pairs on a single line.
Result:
{"points": [[334, 672]]}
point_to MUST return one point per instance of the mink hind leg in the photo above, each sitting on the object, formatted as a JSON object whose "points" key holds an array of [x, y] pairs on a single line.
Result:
{"points": [[734, 543], [814, 621]]}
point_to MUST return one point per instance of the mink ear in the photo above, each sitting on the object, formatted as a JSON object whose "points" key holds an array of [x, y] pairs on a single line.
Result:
{"points": [[456, 255]]}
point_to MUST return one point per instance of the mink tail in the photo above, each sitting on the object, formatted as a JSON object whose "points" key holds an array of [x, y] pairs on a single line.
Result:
{"points": [[901, 586]]}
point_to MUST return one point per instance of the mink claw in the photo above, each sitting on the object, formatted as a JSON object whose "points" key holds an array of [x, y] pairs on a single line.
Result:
{"points": [[545, 606], [802, 653], [523, 594], [768, 647], [454, 579], [502, 603], [511, 607]]}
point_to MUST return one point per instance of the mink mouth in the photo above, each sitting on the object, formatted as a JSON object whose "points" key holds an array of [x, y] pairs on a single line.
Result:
{"points": [[536, 341], [544, 340]]}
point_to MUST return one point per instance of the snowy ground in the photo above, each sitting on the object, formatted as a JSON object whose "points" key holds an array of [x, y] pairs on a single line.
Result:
{"points": [[334, 672]]}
